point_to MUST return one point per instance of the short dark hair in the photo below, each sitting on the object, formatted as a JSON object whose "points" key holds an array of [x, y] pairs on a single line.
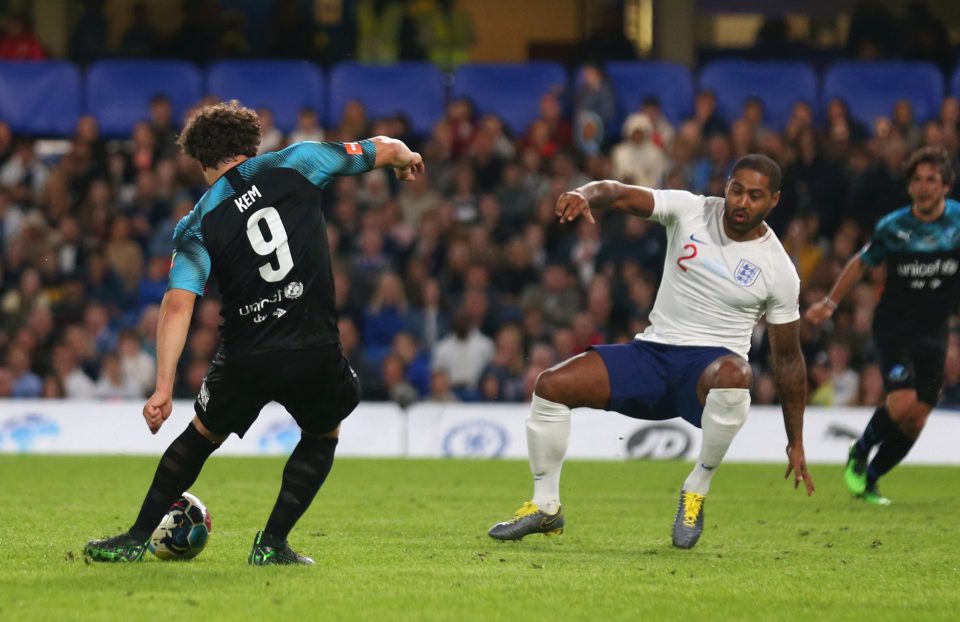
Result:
{"points": [[763, 165], [935, 156], [217, 133]]}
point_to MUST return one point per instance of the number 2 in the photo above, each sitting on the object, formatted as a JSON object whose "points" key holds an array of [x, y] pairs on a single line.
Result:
{"points": [[277, 244], [692, 249]]}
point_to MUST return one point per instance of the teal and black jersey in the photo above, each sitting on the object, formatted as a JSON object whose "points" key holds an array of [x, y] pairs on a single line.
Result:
{"points": [[260, 231], [922, 260]]}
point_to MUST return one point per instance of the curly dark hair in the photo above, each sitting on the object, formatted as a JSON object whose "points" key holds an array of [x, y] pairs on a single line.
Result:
{"points": [[935, 156], [217, 133]]}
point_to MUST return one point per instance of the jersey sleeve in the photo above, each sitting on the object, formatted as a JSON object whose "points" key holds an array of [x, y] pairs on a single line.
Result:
{"points": [[874, 251], [190, 265], [671, 205], [321, 162], [783, 306]]}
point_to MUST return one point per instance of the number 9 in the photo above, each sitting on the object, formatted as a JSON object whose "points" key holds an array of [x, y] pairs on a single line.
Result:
{"points": [[276, 244]]}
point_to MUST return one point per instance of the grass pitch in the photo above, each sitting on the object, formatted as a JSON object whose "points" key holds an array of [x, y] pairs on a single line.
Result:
{"points": [[406, 540]]}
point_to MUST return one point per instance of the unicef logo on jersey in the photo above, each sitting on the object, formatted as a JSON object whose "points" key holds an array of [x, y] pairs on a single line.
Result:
{"points": [[898, 373], [949, 267], [746, 273], [293, 290], [475, 439]]}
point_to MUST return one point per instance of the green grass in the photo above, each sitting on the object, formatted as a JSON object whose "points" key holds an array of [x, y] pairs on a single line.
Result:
{"points": [[406, 540]]}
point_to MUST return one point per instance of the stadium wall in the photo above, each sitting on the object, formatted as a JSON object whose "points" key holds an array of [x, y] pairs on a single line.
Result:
{"points": [[434, 430]]}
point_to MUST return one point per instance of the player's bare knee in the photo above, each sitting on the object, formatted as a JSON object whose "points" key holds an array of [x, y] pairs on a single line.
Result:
{"points": [[549, 385], [732, 373]]}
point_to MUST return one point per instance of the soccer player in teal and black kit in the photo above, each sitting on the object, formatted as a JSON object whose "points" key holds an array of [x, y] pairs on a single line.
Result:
{"points": [[920, 246], [260, 232]]}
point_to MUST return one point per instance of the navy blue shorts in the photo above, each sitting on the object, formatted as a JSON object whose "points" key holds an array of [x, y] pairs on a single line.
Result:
{"points": [[657, 381]]}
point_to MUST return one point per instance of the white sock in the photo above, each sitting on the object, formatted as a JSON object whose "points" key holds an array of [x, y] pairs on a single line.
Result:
{"points": [[724, 413], [548, 434]]}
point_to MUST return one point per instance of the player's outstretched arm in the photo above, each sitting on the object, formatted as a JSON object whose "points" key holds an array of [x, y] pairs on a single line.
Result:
{"points": [[634, 200], [790, 374], [850, 276], [393, 153], [176, 309]]}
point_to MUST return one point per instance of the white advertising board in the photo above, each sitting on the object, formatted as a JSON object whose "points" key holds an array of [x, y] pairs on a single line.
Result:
{"points": [[451, 430]]}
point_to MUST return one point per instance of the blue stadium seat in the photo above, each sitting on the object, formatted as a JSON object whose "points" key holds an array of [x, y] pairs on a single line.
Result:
{"points": [[510, 91], [118, 92], [955, 82], [40, 98], [778, 84], [671, 83], [871, 89], [415, 89], [285, 87]]}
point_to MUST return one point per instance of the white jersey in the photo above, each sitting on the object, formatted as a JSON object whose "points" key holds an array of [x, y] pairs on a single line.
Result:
{"points": [[714, 289]]}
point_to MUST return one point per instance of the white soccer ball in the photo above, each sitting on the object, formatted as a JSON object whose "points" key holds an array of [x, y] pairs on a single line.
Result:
{"points": [[184, 530]]}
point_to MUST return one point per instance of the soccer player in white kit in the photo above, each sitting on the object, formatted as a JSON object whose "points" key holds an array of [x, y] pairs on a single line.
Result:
{"points": [[724, 270]]}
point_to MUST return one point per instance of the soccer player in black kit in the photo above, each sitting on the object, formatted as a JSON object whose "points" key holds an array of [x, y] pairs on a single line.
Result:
{"points": [[260, 231], [920, 246]]}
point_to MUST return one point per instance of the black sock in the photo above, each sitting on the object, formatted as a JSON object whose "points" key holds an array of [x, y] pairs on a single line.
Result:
{"points": [[879, 427], [307, 468], [892, 450], [177, 471]]}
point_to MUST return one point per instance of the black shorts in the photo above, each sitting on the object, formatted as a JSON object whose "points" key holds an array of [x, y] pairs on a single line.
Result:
{"points": [[318, 387], [911, 361]]}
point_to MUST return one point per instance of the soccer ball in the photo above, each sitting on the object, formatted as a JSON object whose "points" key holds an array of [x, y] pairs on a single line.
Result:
{"points": [[184, 530]]}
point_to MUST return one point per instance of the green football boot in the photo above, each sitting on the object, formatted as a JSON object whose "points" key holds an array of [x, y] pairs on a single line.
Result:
{"points": [[855, 475], [268, 551], [122, 548], [527, 520], [688, 523], [872, 496]]}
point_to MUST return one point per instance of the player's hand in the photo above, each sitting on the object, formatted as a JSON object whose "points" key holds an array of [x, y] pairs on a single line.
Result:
{"points": [[157, 410], [797, 464], [818, 313], [570, 205], [411, 170]]}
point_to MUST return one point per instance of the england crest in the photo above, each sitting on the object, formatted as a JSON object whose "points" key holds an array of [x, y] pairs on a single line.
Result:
{"points": [[746, 273]]}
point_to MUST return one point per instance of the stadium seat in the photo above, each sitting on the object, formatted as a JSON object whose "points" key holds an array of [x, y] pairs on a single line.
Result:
{"points": [[40, 98], [871, 89], [118, 92], [671, 83], [285, 87], [510, 91], [414, 89], [778, 84]]}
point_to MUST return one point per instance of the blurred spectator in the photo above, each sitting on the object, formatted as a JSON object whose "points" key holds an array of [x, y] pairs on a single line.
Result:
{"points": [[463, 354], [112, 383], [427, 321], [398, 390], [142, 39], [271, 138], [441, 390], [663, 132], [19, 41], [637, 159], [447, 34], [386, 315], [137, 367], [872, 392], [23, 382], [196, 37], [308, 126], [76, 384], [845, 381], [88, 40], [705, 115], [595, 95]]}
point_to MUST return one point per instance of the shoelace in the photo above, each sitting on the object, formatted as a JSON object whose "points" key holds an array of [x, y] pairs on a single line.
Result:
{"points": [[525, 510], [691, 509]]}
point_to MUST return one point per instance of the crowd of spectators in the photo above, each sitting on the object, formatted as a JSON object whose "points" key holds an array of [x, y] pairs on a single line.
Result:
{"points": [[460, 285]]}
